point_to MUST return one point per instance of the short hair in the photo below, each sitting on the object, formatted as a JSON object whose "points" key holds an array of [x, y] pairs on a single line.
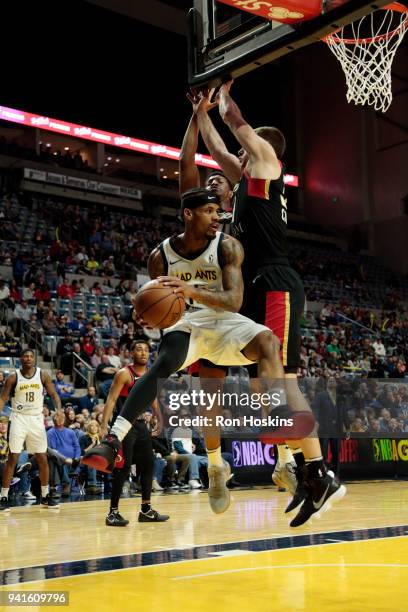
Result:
{"points": [[139, 341], [275, 138], [198, 196], [27, 350], [219, 173]]}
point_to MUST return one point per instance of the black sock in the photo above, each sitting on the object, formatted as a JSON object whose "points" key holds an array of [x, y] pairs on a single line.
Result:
{"points": [[316, 468], [146, 508], [114, 510], [299, 458]]}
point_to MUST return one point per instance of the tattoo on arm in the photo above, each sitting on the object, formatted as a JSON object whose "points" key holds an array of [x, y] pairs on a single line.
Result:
{"points": [[155, 264]]}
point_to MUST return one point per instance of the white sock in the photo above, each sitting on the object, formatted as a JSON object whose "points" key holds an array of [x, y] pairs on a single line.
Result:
{"points": [[4, 491], [284, 454], [214, 456], [121, 427], [45, 490]]}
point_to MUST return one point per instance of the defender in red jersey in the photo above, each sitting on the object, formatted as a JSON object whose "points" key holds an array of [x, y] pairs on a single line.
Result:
{"points": [[137, 447], [274, 293]]}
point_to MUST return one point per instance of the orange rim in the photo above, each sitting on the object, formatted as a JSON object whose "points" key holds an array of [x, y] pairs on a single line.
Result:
{"points": [[397, 7]]}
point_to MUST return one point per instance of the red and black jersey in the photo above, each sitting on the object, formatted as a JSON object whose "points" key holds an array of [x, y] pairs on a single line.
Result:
{"points": [[124, 393], [260, 222], [126, 388]]}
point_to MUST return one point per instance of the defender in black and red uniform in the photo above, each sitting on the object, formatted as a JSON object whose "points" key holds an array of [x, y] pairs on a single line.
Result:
{"points": [[274, 293], [137, 446]]}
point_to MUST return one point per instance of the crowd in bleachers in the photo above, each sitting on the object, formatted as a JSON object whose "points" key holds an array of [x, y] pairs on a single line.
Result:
{"points": [[356, 327], [63, 238], [65, 159]]}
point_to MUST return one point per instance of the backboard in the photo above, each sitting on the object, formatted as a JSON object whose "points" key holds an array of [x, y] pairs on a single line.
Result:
{"points": [[224, 40]]}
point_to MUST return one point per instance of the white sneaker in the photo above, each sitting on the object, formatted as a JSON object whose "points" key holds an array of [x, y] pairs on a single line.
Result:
{"points": [[194, 484], [218, 494], [156, 486], [28, 495], [284, 476]]}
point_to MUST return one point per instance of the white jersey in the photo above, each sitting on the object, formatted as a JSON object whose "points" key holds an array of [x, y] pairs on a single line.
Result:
{"points": [[202, 271], [28, 394]]}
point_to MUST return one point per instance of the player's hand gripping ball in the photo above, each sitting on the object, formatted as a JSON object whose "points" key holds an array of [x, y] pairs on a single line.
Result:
{"points": [[158, 306]]}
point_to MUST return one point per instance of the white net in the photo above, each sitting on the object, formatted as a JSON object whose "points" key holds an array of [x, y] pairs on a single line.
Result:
{"points": [[366, 50]]}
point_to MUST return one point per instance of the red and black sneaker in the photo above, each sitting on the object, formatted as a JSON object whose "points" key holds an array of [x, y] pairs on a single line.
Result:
{"points": [[105, 456], [287, 424]]}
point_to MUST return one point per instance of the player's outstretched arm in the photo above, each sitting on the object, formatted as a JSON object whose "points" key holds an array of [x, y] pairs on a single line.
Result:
{"points": [[262, 157], [48, 384], [228, 162], [5, 394], [231, 296], [189, 177]]}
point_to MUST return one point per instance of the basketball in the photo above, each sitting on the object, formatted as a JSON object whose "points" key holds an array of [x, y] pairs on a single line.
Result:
{"points": [[159, 306]]}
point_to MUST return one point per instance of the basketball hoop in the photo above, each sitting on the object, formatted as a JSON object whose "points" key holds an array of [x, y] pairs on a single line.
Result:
{"points": [[366, 50]]}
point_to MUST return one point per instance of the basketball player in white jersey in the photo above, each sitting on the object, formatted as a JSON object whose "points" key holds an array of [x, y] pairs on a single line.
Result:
{"points": [[27, 386], [217, 181], [204, 266]]}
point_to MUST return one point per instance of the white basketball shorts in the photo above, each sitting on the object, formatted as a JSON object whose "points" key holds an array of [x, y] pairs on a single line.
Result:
{"points": [[218, 336], [29, 429]]}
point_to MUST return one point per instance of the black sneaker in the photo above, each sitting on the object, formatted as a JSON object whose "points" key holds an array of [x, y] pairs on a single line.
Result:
{"points": [[24, 467], [172, 486], [4, 504], [103, 456], [74, 464], [323, 489], [152, 516], [54, 493], [49, 502], [182, 485], [300, 493], [114, 519]]}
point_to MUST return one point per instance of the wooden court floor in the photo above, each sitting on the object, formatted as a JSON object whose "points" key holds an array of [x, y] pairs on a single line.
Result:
{"points": [[355, 558]]}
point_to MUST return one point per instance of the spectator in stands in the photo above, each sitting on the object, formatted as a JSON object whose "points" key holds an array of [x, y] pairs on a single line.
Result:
{"points": [[50, 324], [9, 346], [92, 265], [379, 347], [77, 325], [125, 357], [88, 441], [88, 346], [64, 389], [113, 358], [96, 289], [15, 293], [89, 401], [65, 442], [127, 338], [43, 292], [107, 288], [81, 420], [64, 352], [47, 417], [96, 358], [81, 378], [109, 267], [104, 375], [66, 291], [28, 293]]}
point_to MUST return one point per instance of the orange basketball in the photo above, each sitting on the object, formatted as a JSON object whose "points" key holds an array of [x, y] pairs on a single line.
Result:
{"points": [[159, 306]]}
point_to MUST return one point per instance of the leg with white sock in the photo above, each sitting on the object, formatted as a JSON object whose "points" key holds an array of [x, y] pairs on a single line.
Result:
{"points": [[172, 354], [212, 382]]}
